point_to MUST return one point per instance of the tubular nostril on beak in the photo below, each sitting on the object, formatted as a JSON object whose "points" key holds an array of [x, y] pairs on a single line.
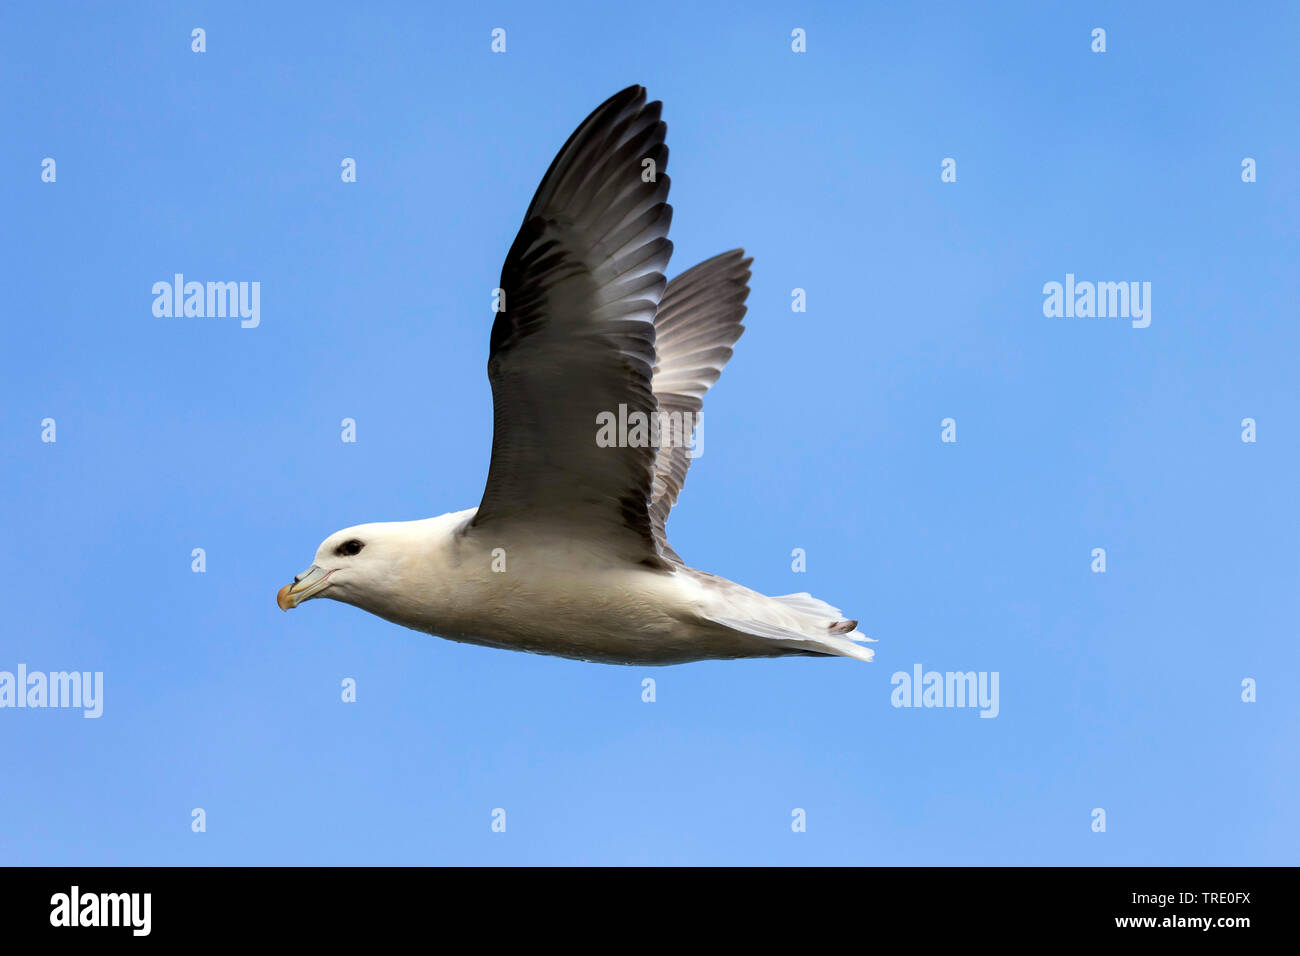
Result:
{"points": [[297, 578]]}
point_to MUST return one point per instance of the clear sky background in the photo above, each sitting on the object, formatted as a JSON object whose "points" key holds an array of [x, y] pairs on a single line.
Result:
{"points": [[1119, 691]]}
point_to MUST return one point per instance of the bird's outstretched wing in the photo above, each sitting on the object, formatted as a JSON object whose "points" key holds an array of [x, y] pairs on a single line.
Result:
{"points": [[697, 324], [576, 339]]}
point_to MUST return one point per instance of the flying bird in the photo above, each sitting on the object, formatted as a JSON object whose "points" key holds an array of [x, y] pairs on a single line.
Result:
{"points": [[566, 553]]}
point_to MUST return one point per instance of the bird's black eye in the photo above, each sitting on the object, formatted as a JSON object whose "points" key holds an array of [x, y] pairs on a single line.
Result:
{"points": [[349, 548]]}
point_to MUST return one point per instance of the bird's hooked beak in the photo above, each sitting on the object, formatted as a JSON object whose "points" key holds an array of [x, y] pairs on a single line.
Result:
{"points": [[306, 585]]}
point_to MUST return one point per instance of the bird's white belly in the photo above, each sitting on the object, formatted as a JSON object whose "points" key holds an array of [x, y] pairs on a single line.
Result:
{"points": [[621, 616]]}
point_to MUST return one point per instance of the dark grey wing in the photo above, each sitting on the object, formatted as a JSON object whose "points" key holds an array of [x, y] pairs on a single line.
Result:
{"points": [[576, 338], [697, 324]]}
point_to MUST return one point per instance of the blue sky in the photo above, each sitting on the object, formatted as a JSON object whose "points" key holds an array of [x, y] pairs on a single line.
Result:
{"points": [[1119, 690]]}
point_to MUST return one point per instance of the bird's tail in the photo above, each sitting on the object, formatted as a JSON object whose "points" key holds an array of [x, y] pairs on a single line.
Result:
{"points": [[809, 626]]}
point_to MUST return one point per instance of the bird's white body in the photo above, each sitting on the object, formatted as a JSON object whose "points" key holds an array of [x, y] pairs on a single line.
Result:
{"points": [[549, 595]]}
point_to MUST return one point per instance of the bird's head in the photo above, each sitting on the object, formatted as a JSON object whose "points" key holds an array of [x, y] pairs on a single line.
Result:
{"points": [[355, 565]]}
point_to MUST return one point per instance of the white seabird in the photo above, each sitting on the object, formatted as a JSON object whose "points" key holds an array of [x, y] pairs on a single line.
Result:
{"points": [[566, 553]]}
